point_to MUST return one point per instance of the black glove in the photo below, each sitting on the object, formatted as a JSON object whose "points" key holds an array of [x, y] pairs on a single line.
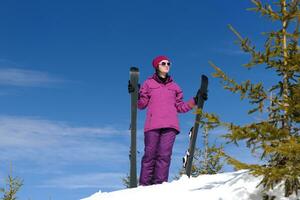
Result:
{"points": [[131, 88], [203, 95]]}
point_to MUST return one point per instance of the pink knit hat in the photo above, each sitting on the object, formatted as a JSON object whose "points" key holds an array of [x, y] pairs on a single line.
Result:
{"points": [[158, 59]]}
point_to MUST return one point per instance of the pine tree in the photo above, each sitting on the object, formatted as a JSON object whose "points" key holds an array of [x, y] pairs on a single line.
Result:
{"points": [[209, 160], [13, 185], [126, 181], [212, 165], [276, 138]]}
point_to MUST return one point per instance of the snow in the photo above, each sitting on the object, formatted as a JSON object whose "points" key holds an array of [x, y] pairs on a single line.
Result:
{"points": [[239, 185]]}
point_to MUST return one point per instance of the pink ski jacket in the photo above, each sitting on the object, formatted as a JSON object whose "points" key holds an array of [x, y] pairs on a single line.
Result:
{"points": [[163, 101]]}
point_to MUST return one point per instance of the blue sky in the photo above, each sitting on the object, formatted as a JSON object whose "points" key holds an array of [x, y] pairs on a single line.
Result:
{"points": [[64, 66]]}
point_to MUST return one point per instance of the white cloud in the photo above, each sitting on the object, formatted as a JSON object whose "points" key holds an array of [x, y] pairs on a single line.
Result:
{"points": [[26, 78], [37, 132], [56, 150], [91, 180], [44, 141]]}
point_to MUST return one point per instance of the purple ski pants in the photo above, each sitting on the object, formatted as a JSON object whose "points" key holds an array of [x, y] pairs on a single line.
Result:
{"points": [[157, 156]]}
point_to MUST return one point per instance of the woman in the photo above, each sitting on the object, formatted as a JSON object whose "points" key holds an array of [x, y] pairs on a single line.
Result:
{"points": [[163, 99]]}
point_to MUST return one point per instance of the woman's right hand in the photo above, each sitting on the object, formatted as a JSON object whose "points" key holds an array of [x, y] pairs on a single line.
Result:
{"points": [[130, 87]]}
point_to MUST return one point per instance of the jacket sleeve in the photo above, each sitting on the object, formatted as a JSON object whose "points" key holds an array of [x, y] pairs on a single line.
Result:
{"points": [[182, 106], [144, 96]]}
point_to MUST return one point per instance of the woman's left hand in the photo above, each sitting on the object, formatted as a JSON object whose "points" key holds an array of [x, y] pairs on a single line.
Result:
{"points": [[203, 95]]}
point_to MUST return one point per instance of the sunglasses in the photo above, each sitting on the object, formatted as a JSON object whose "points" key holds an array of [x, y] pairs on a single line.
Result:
{"points": [[165, 63]]}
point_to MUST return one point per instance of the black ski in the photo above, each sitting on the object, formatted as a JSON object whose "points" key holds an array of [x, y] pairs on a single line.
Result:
{"points": [[188, 158], [134, 79]]}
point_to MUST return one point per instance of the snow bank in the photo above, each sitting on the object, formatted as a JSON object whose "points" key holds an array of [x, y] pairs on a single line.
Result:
{"points": [[239, 185]]}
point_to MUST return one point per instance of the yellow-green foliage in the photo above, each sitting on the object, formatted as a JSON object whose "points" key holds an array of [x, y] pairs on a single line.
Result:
{"points": [[276, 138], [210, 160], [13, 185]]}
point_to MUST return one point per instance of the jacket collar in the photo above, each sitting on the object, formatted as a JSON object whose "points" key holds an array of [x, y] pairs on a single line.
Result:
{"points": [[160, 80]]}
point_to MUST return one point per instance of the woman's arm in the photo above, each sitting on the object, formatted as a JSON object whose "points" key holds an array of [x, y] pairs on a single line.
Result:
{"points": [[182, 106]]}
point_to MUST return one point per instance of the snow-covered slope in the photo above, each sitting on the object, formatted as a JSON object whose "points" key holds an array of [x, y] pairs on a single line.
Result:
{"points": [[239, 185]]}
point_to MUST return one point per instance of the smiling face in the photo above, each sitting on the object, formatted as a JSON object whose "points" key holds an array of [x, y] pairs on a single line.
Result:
{"points": [[164, 67]]}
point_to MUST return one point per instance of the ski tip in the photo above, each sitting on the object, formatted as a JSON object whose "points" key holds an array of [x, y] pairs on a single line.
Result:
{"points": [[134, 69], [204, 77]]}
